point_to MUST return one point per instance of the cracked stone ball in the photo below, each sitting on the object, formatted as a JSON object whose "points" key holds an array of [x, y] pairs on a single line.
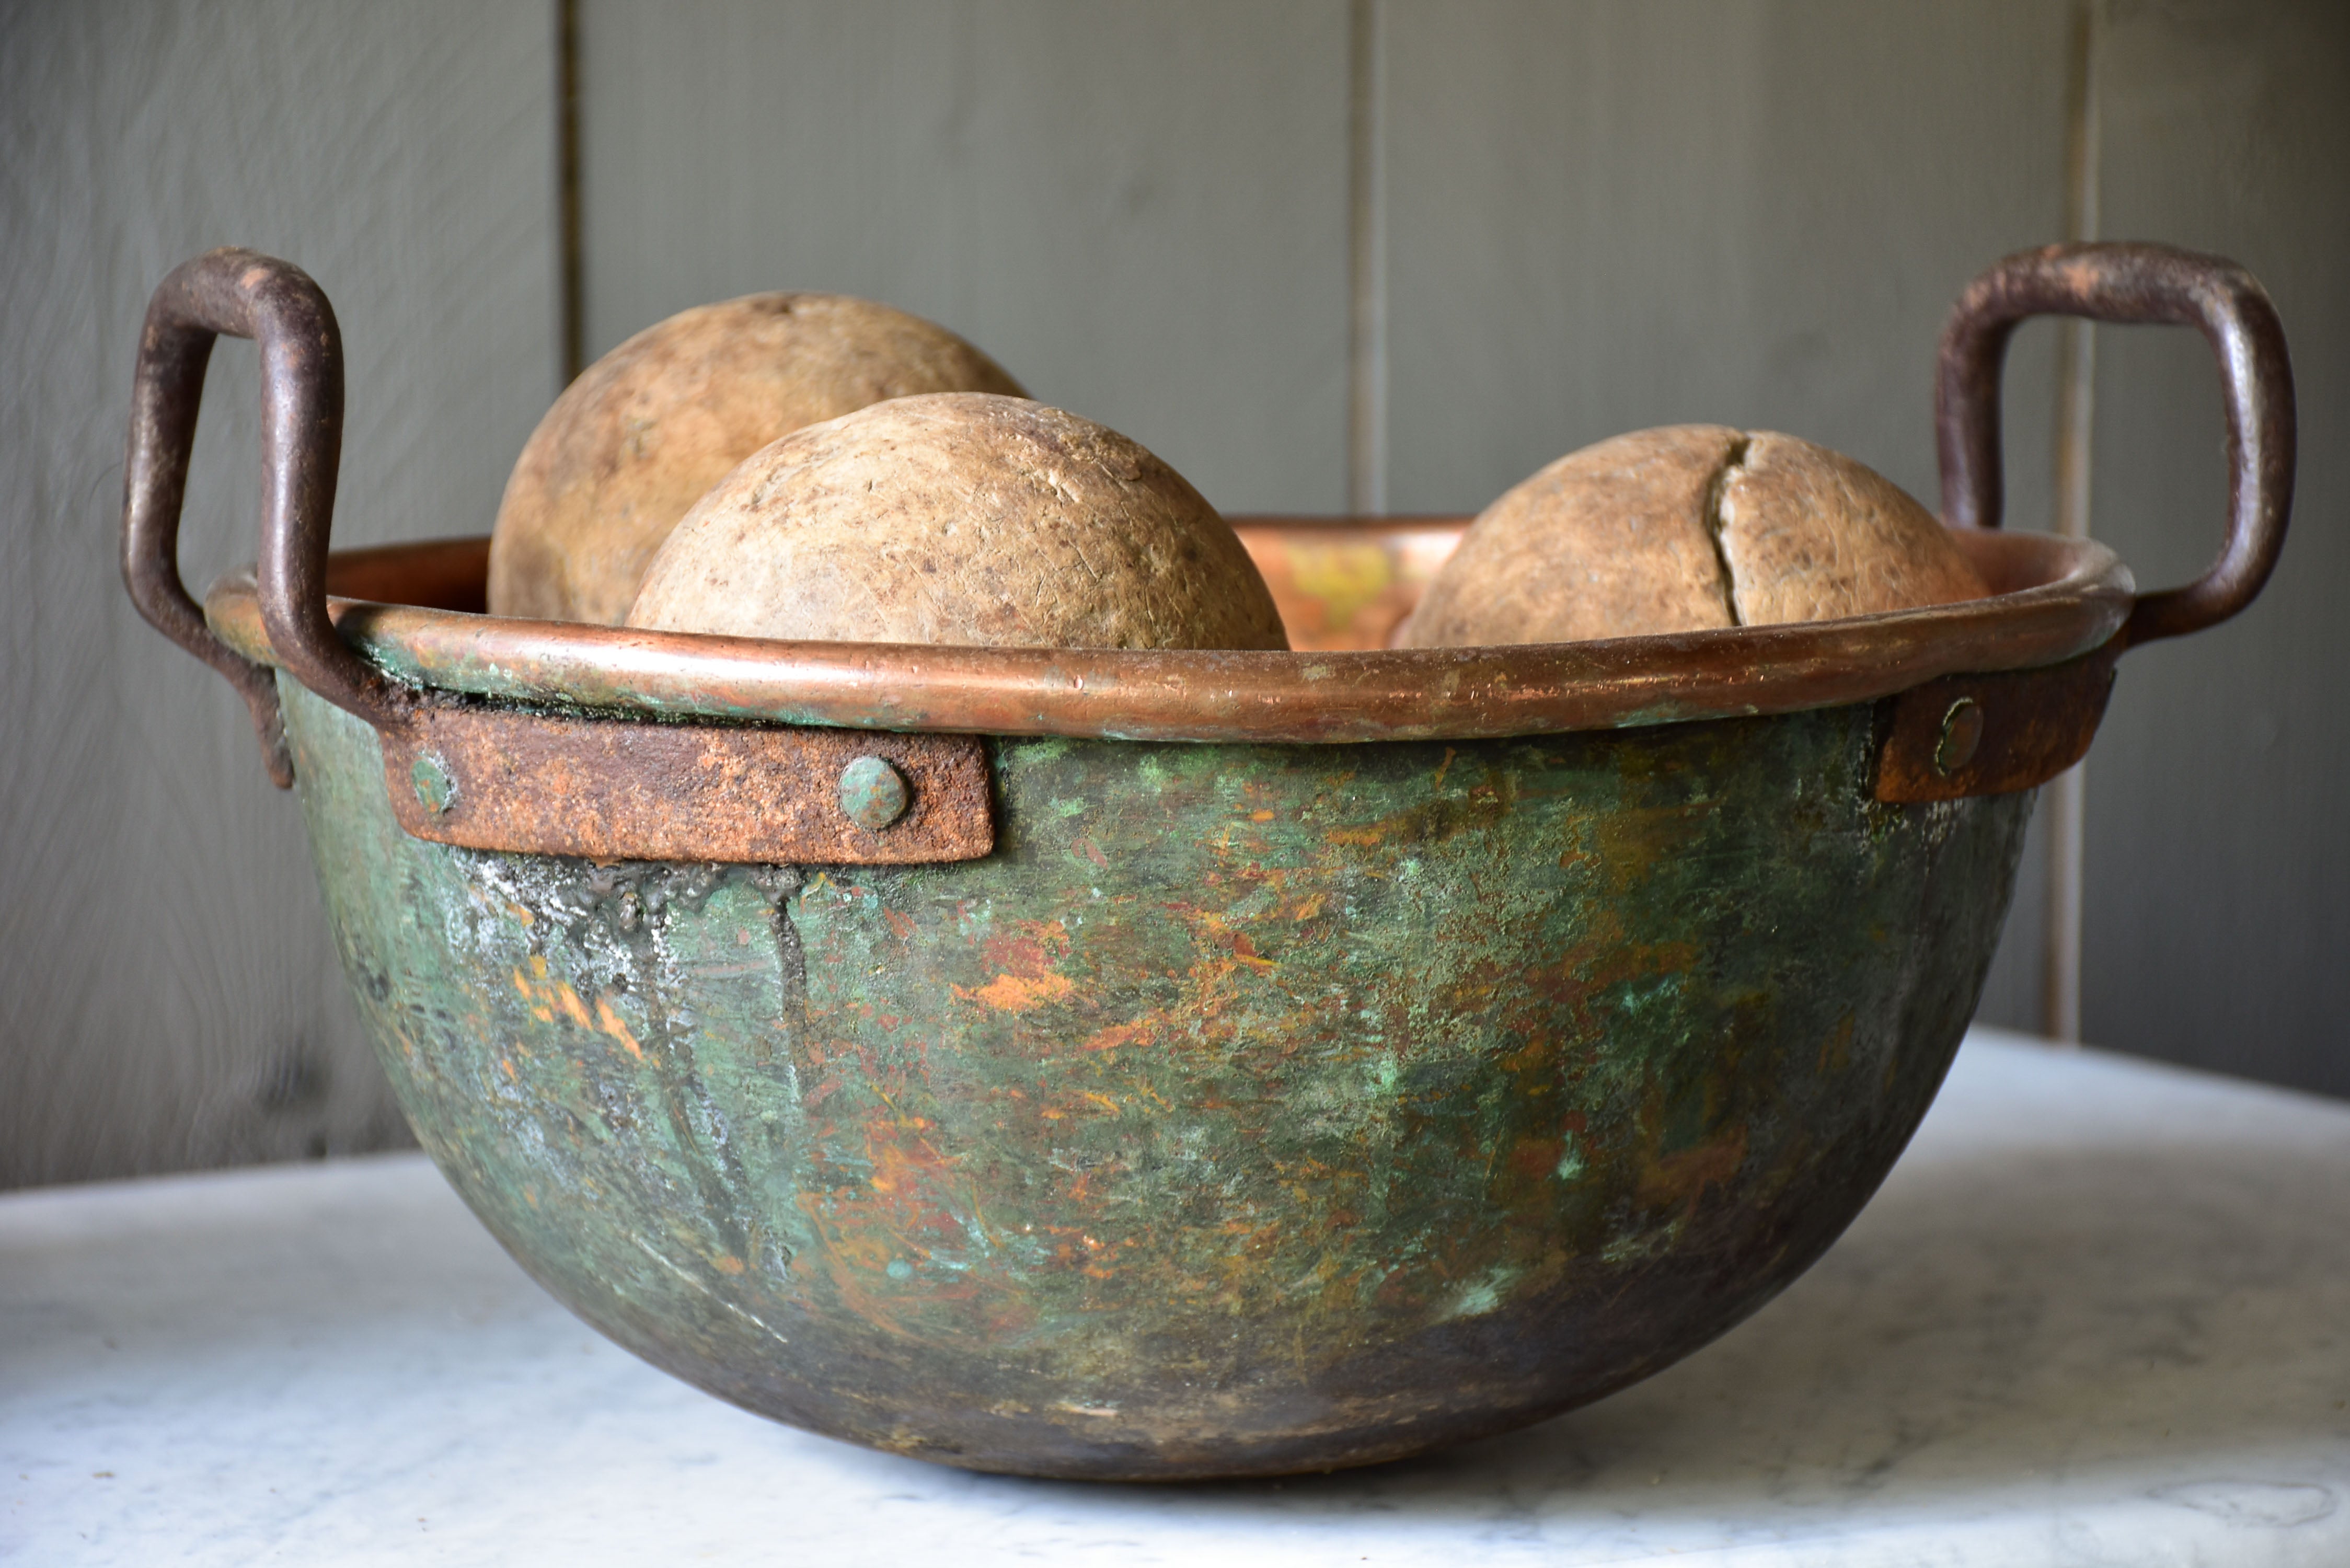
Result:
{"points": [[960, 518], [647, 429], [1685, 528]]}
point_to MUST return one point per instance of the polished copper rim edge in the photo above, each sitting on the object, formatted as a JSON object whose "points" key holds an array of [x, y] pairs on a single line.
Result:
{"points": [[1229, 697]]}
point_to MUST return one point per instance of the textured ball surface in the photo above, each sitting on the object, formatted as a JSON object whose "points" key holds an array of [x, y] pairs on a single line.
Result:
{"points": [[646, 430], [960, 518], [1684, 528]]}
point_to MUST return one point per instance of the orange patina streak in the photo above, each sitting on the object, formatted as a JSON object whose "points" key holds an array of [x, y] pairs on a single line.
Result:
{"points": [[610, 1021], [1012, 994]]}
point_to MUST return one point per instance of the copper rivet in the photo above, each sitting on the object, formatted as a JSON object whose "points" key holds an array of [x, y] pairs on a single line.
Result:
{"points": [[1962, 728], [434, 786], [873, 794]]}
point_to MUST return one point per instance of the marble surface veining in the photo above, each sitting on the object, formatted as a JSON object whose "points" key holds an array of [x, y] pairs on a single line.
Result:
{"points": [[2099, 1315]]}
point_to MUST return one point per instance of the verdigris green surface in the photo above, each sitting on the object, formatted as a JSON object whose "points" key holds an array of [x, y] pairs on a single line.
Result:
{"points": [[1251, 1109]]}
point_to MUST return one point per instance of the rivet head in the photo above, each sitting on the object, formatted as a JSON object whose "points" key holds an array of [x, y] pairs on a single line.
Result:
{"points": [[435, 786], [1962, 728], [873, 794]]}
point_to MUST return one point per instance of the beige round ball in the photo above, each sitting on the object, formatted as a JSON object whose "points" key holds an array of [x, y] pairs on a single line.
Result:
{"points": [[960, 518], [1684, 528], [647, 429]]}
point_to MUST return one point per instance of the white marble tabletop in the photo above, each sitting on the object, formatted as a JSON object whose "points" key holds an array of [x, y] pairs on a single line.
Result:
{"points": [[2099, 1315]]}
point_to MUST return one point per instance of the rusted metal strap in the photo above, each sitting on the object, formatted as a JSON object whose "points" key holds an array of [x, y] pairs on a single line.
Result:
{"points": [[1992, 735], [504, 778]]}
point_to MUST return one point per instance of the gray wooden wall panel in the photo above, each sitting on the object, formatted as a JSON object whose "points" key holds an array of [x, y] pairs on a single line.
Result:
{"points": [[1139, 209], [1627, 213], [1619, 213], [2217, 925], [169, 997]]}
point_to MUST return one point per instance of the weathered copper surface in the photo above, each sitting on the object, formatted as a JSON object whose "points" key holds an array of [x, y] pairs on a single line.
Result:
{"points": [[503, 778], [1250, 1109], [1988, 734], [1257, 1103]]}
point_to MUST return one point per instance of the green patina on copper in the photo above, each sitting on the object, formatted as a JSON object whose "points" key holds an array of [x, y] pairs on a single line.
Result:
{"points": [[1251, 1108]]}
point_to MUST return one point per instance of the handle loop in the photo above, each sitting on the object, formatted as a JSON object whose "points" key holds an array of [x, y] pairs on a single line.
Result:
{"points": [[245, 294], [2133, 283]]}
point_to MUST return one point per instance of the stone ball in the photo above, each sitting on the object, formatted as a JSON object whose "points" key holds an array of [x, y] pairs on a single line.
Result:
{"points": [[1684, 528], [647, 429], [960, 518]]}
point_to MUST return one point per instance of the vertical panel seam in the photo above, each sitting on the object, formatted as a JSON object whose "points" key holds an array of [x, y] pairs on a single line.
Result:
{"points": [[571, 290], [2076, 366], [1366, 326]]}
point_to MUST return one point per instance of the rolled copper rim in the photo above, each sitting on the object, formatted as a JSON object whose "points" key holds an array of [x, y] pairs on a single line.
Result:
{"points": [[2053, 599]]}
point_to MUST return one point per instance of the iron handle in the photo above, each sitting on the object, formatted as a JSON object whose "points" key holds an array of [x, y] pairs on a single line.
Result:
{"points": [[2132, 283], [245, 294]]}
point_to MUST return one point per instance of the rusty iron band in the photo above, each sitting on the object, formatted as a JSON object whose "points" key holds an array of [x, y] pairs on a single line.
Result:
{"points": [[615, 789]]}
